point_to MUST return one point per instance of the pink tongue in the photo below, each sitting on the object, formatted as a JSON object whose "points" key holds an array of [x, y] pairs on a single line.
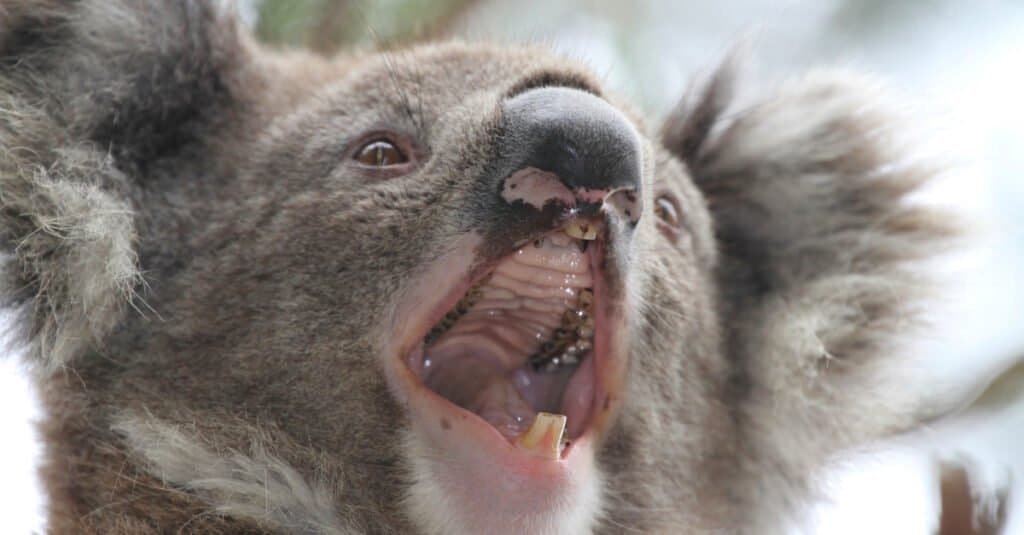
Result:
{"points": [[501, 405]]}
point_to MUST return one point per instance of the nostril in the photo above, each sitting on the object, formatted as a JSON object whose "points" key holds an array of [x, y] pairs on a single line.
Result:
{"points": [[625, 203]]}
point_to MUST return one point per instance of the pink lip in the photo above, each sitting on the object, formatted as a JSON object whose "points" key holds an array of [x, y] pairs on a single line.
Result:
{"points": [[488, 457]]}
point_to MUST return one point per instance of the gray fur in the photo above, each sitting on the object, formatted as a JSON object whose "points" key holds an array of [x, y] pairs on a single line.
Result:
{"points": [[809, 188], [205, 284]]}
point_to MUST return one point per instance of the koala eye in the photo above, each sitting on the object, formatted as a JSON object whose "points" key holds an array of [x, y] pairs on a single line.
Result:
{"points": [[666, 210], [380, 153]]}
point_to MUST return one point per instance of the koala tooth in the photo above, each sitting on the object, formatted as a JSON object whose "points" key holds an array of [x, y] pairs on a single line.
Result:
{"points": [[544, 437], [570, 342], [581, 230]]}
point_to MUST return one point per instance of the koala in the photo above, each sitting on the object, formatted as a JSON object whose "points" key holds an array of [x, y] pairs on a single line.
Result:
{"points": [[455, 288]]}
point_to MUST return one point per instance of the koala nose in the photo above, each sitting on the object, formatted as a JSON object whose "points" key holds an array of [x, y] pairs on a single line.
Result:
{"points": [[590, 146]]}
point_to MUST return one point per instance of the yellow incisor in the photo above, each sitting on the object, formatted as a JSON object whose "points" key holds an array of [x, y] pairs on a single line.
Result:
{"points": [[581, 229], [544, 437]]}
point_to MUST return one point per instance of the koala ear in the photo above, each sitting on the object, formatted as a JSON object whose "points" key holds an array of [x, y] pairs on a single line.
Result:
{"points": [[808, 188], [133, 75], [92, 92]]}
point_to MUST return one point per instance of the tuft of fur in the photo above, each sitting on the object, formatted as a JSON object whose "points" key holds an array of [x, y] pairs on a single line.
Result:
{"points": [[255, 485], [74, 265], [820, 266]]}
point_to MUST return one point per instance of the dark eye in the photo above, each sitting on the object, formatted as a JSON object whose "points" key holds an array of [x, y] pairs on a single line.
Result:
{"points": [[380, 153], [666, 210]]}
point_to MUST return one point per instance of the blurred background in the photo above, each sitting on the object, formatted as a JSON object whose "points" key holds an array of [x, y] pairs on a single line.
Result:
{"points": [[956, 64]]}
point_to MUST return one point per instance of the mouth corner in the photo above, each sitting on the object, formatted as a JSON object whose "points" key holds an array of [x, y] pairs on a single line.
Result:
{"points": [[514, 360]]}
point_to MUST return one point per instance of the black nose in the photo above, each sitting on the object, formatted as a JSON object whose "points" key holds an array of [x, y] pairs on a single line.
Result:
{"points": [[577, 136]]}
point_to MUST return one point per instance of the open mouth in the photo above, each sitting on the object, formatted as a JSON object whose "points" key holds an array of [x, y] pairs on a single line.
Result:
{"points": [[520, 351]]}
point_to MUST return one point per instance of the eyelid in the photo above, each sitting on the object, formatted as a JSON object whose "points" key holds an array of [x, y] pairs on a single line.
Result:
{"points": [[665, 202]]}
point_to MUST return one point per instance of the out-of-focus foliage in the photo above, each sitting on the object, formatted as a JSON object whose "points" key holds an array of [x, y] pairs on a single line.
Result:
{"points": [[328, 25]]}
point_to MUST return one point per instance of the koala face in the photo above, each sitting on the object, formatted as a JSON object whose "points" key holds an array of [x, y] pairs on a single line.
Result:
{"points": [[450, 289], [417, 267]]}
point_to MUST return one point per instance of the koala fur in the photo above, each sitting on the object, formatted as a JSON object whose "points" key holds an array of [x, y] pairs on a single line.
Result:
{"points": [[202, 286]]}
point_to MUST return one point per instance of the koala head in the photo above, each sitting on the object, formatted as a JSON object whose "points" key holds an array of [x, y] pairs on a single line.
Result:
{"points": [[456, 288]]}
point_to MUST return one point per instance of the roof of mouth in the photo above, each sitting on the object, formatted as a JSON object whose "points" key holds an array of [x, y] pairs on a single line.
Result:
{"points": [[509, 347]]}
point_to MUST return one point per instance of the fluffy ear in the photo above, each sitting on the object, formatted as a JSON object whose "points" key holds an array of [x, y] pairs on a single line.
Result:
{"points": [[808, 188], [91, 93]]}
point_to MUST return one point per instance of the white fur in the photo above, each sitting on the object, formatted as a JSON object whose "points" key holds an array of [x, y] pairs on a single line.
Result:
{"points": [[73, 238], [257, 486], [439, 513]]}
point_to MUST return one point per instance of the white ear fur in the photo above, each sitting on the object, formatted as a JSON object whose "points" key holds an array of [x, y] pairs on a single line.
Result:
{"points": [[73, 267]]}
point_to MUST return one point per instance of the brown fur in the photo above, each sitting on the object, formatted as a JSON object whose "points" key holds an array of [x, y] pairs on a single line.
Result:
{"points": [[203, 285]]}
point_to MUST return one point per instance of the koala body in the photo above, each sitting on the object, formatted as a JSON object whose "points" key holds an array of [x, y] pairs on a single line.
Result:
{"points": [[234, 267]]}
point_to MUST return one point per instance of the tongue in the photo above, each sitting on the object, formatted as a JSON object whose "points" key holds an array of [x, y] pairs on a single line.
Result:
{"points": [[501, 405]]}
